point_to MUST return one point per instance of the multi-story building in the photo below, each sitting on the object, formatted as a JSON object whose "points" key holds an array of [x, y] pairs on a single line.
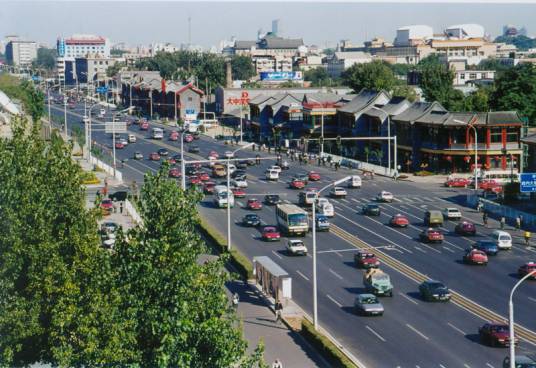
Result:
{"points": [[340, 61], [78, 46], [21, 53], [164, 47], [93, 67]]}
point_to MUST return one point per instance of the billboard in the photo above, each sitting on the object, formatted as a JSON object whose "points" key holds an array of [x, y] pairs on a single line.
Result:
{"points": [[528, 182], [281, 76]]}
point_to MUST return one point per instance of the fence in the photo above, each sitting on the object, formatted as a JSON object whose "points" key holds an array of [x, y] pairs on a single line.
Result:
{"points": [[133, 212], [498, 210], [107, 168], [360, 165]]}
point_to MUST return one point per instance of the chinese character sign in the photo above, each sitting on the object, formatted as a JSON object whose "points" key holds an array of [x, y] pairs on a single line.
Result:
{"points": [[528, 182]]}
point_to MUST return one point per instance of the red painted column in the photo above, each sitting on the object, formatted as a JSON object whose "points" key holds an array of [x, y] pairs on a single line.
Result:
{"points": [[503, 137], [488, 138], [503, 162]]}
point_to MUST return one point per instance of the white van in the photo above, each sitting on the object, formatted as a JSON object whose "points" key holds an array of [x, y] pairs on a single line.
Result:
{"points": [[222, 197], [158, 133], [326, 209], [272, 175], [354, 182], [502, 239]]}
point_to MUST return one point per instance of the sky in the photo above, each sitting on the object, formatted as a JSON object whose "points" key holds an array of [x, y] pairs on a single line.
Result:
{"points": [[320, 23]]}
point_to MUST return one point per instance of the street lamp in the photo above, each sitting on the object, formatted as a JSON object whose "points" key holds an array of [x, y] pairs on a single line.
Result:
{"points": [[113, 133], [315, 290], [476, 151], [511, 318]]}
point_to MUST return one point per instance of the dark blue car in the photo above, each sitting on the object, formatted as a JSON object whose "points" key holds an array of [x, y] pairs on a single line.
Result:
{"points": [[488, 247]]}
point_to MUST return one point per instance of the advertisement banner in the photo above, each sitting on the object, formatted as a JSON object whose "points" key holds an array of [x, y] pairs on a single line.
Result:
{"points": [[281, 76]]}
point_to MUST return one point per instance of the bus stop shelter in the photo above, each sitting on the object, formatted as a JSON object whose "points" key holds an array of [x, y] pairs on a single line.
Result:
{"points": [[273, 280]]}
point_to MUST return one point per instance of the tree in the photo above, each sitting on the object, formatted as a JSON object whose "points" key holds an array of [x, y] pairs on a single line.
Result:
{"points": [[478, 100], [242, 67], [114, 69], [46, 58], [400, 69], [31, 98], [317, 76], [375, 75], [290, 84], [406, 91], [515, 89], [521, 42]]}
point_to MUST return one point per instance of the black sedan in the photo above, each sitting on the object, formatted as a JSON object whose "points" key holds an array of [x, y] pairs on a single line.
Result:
{"points": [[434, 291], [272, 199], [163, 152], [193, 148], [371, 209], [238, 173], [251, 219], [242, 164]]}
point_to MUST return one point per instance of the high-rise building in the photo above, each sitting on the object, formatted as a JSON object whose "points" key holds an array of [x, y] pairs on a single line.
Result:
{"points": [[21, 53], [79, 45]]}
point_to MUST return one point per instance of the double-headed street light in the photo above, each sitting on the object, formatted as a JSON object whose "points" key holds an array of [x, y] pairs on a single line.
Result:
{"points": [[315, 289], [511, 318]]}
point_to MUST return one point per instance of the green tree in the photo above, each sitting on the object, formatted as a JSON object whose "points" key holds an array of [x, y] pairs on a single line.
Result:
{"points": [[46, 58], [318, 77], [242, 67], [24, 91], [290, 84], [478, 100], [515, 89], [406, 91], [400, 69], [374, 75], [114, 69]]}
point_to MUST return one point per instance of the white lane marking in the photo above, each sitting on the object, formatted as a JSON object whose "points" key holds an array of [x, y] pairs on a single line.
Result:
{"points": [[456, 328], [334, 301], [240, 203], [375, 333], [489, 365], [408, 298], [449, 250], [532, 299], [302, 275], [355, 200], [337, 250], [442, 366], [417, 331], [277, 255], [402, 206], [336, 274], [420, 249], [466, 365], [454, 245], [407, 213], [253, 236], [432, 248], [345, 200], [340, 255]]}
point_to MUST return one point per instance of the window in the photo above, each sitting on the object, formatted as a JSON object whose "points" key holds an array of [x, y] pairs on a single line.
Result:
{"points": [[496, 135], [472, 76], [462, 75], [512, 135], [190, 99]]}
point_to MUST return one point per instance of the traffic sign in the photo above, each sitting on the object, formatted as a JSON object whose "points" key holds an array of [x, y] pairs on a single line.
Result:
{"points": [[101, 89], [528, 182], [115, 127]]}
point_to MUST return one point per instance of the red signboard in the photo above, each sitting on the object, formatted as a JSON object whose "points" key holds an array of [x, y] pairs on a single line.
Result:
{"points": [[243, 100]]}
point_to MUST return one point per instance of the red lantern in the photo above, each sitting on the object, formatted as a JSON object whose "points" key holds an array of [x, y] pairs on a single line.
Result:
{"points": [[448, 158], [497, 158], [467, 158]]}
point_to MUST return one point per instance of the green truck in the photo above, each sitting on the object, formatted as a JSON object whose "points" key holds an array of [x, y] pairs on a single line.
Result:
{"points": [[377, 282]]}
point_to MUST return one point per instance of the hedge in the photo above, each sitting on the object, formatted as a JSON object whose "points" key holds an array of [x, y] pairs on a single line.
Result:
{"points": [[325, 347], [240, 262], [88, 177]]}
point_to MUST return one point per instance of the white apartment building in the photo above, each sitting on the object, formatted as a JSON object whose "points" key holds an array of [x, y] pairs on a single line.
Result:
{"points": [[165, 47], [343, 60], [80, 45], [21, 53]]}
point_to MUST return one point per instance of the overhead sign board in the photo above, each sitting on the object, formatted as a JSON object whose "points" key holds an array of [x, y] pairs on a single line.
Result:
{"points": [[528, 182], [281, 76], [101, 89], [115, 127]]}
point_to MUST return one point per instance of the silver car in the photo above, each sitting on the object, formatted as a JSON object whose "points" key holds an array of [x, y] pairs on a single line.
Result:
{"points": [[368, 304]]}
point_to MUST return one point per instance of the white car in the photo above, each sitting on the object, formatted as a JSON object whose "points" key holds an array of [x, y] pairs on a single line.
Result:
{"points": [[384, 196], [232, 168], [452, 213], [272, 175], [102, 112], [321, 201], [275, 168], [123, 141], [326, 209], [296, 247], [131, 138], [337, 192], [354, 182], [239, 183], [229, 154], [85, 119]]}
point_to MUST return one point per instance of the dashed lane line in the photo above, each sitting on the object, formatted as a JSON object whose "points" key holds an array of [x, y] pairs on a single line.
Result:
{"points": [[408, 298], [336, 274], [276, 254], [375, 333], [302, 275], [456, 328], [334, 301], [417, 331]]}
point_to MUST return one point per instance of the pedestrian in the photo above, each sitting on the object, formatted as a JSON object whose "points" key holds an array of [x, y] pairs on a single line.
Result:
{"points": [[527, 236], [278, 311], [485, 219], [269, 149], [277, 364], [337, 165], [521, 221], [236, 298], [372, 174], [503, 222], [121, 207], [518, 223], [258, 159]]}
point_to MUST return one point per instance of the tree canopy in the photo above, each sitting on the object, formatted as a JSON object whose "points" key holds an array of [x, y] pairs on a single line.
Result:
{"points": [[436, 83], [521, 42], [46, 58], [24, 91], [242, 67], [374, 75], [319, 77]]}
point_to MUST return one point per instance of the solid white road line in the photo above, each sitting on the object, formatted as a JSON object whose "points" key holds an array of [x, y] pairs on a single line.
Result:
{"points": [[345, 200], [334, 301], [375, 333], [489, 365], [420, 249], [456, 328], [449, 250], [336, 274], [408, 298], [417, 331], [302, 275], [466, 365], [337, 250], [276, 254], [532, 299], [442, 366]]}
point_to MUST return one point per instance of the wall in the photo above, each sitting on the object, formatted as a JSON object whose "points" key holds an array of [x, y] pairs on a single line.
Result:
{"points": [[359, 165], [132, 212], [107, 168], [499, 210]]}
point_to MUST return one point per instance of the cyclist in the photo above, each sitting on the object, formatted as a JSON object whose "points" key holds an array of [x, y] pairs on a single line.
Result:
{"points": [[527, 236]]}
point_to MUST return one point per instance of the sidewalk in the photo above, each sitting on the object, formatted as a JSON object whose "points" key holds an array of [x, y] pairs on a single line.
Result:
{"points": [[259, 324]]}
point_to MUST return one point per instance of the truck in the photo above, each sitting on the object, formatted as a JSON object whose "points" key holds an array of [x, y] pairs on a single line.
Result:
{"points": [[377, 282]]}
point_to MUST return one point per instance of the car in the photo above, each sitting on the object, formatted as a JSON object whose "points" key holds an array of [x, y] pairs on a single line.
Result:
{"points": [[197, 165], [368, 304], [465, 228], [475, 256], [85, 119], [495, 334], [431, 235], [526, 269], [366, 260], [194, 180], [431, 290], [238, 192], [132, 138], [275, 168], [193, 148], [487, 246], [251, 219], [296, 184], [204, 176], [191, 170], [228, 154], [238, 172], [144, 126], [272, 199], [107, 205], [120, 195], [296, 247], [503, 239], [521, 361], [270, 233], [433, 218], [119, 145], [354, 182], [102, 112], [399, 220], [196, 134], [384, 196], [242, 177], [213, 154], [239, 183], [171, 161], [242, 164], [109, 227], [271, 175], [208, 187], [487, 184], [251, 162], [124, 141], [285, 165], [371, 209], [338, 192], [188, 138], [174, 136], [163, 152], [153, 156], [138, 155], [302, 177], [174, 173], [313, 176], [322, 223], [452, 213], [254, 204], [457, 183]]}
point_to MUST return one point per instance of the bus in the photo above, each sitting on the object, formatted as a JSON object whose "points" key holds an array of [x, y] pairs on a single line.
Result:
{"points": [[222, 197], [500, 176], [292, 220], [158, 133]]}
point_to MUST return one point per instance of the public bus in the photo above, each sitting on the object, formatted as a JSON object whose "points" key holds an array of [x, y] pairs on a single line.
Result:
{"points": [[292, 220], [500, 176]]}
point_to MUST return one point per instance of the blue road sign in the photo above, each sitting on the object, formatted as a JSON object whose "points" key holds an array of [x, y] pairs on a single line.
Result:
{"points": [[101, 89], [528, 182]]}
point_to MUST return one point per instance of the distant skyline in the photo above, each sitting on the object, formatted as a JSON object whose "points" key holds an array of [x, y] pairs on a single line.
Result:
{"points": [[320, 23]]}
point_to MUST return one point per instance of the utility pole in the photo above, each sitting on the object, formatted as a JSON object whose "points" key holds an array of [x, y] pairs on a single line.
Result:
{"points": [[189, 31]]}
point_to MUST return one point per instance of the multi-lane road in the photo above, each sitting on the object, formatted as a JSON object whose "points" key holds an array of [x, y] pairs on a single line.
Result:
{"points": [[411, 333]]}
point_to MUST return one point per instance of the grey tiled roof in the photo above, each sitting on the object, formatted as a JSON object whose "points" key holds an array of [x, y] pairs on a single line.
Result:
{"points": [[285, 101], [530, 139], [359, 102], [503, 117], [321, 97], [416, 110], [280, 43]]}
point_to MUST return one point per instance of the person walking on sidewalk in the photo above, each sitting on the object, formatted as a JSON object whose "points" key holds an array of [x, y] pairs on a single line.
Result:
{"points": [[278, 311], [527, 235], [277, 364], [518, 223], [236, 299], [485, 219], [258, 159], [503, 222]]}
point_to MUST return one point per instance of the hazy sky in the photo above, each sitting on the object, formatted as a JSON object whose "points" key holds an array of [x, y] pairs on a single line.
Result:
{"points": [[321, 23]]}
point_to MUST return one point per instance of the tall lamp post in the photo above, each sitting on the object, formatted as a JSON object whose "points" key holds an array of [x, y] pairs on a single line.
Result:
{"points": [[476, 149], [315, 289], [511, 319]]}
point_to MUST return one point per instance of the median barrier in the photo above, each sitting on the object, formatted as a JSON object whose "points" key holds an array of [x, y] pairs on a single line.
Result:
{"points": [[498, 210], [360, 165], [106, 168]]}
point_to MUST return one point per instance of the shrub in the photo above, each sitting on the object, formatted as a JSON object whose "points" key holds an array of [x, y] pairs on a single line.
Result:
{"points": [[423, 173], [89, 177]]}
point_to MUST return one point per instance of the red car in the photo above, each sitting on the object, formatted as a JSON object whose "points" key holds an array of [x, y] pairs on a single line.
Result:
{"points": [[238, 192], [208, 187], [204, 176], [254, 204], [173, 136], [297, 184], [107, 205], [487, 184], [475, 256], [188, 138], [399, 220], [314, 176], [431, 235], [213, 154], [194, 179], [154, 156], [270, 233], [495, 334], [457, 183], [119, 145], [196, 165], [526, 269], [144, 126], [171, 161], [465, 228], [366, 260], [174, 173]]}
